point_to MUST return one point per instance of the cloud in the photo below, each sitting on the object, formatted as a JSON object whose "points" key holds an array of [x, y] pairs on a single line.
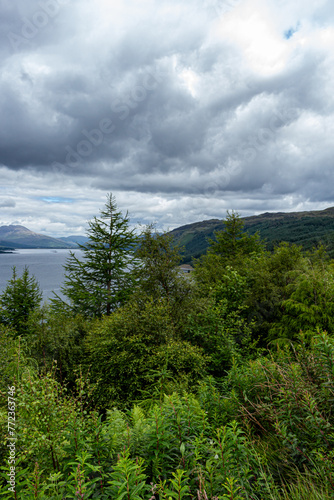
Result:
{"points": [[182, 110], [7, 203]]}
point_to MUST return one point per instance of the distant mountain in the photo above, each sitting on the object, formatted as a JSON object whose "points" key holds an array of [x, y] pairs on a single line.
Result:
{"points": [[302, 228], [81, 240], [21, 237]]}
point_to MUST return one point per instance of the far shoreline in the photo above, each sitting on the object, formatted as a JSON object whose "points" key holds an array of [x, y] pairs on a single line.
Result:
{"points": [[53, 249]]}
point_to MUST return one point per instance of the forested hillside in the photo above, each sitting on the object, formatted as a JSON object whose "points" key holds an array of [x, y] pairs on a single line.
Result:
{"points": [[302, 228], [151, 384]]}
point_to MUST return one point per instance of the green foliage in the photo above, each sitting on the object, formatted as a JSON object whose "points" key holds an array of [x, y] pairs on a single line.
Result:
{"points": [[270, 279], [9, 347], [132, 342], [232, 244], [176, 448], [232, 288], [159, 257], [209, 271], [222, 334], [10, 353], [44, 416], [214, 277], [101, 282], [307, 486], [21, 296], [128, 479], [291, 398], [310, 306], [158, 276], [179, 487], [169, 395], [58, 336]]}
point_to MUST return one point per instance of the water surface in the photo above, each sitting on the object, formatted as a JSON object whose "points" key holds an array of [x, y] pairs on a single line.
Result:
{"points": [[45, 264]]}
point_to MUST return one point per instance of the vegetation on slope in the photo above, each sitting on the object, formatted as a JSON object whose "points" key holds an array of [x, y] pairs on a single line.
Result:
{"points": [[215, 386], [307, 229]]}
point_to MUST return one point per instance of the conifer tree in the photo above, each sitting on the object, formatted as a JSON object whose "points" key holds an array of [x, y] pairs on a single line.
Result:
{"points": [[233, 242], [231, 247], [100, 282], [21, 296]]}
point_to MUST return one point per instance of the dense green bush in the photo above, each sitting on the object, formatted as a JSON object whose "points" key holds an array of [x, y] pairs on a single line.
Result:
{"points": [[223, 334], [310, 306], [289, 396], [126, 347], [270, 419], [171, 451], [58, 336]]}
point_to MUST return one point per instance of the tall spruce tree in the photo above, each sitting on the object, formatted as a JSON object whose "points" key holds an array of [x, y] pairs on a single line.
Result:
{"points": [[100, 283]]}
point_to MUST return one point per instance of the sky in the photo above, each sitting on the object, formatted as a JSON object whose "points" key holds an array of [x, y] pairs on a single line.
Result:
{"points": [[182, 110]]}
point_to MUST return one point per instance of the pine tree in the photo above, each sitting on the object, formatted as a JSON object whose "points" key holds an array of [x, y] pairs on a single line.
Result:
{"points": [[21, 296], [233, 242], [100, 282], [231, 247]]}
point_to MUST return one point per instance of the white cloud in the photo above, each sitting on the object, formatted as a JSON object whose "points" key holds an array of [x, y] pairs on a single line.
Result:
{"points": [[202, 107]]}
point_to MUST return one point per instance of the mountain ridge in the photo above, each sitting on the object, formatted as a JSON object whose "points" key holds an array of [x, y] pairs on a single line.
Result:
{"points": [[17, 236], [307, 228]]}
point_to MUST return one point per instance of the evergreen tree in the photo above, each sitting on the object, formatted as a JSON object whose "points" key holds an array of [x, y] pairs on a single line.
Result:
{"points": [[21, 296], [309, 307], [101, 282], [233, 243], [231, 247]]}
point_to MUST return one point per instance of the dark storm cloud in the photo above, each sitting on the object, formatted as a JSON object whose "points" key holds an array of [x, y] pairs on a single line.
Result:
{"points": [[169, 99], [7, 203], [75, 100]]}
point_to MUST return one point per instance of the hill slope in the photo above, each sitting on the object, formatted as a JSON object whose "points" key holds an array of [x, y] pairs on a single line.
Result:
{"points": [[303, 228], [74, 240], [21, 237]]}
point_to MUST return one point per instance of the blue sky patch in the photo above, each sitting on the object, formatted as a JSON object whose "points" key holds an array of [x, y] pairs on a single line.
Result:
{"points": [[290, 32], [56, 199]]}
